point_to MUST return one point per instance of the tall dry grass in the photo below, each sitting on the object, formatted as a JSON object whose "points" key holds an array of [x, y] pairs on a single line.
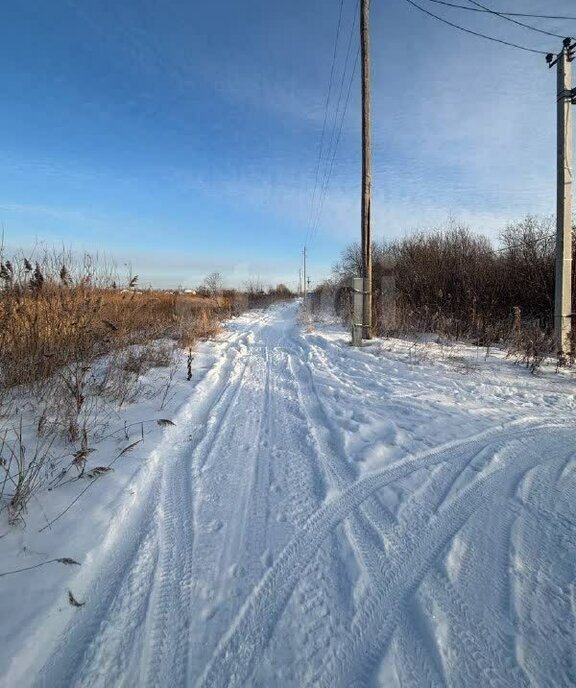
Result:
{"points": [[75, 344], [51, 316]]}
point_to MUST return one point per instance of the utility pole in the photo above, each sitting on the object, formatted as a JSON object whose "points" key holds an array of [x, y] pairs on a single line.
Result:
{"points": [[305, 285], [300, 281], [566, 97], [366, 170]]}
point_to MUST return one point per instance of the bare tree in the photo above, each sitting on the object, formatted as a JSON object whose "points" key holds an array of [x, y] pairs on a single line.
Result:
{"points": [[213, 284]]}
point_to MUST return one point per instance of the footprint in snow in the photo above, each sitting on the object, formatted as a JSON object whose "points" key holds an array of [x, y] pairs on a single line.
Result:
{"points": [[214, 526]]}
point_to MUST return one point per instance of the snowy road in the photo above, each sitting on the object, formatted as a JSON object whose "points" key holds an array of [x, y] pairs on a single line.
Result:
{"points": [[336, 517]]}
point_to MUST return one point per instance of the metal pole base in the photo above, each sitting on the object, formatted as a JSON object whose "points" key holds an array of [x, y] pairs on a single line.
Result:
{"points": [[357, 286]]}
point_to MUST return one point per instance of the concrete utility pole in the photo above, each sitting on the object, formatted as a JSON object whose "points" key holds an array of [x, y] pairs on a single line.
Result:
{"points": [[566, 96], [366, 169]]}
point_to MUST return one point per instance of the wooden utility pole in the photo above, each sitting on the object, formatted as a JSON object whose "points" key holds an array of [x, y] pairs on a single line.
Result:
{"points": [[563, 278], [366, 169], [305, 284]]}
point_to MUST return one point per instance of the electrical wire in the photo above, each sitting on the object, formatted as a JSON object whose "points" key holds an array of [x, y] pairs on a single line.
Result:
{"points": [[326, 108], [504, 14], [342, 80], [331, 167], [477, 33], [515, 21], [335, 138]]}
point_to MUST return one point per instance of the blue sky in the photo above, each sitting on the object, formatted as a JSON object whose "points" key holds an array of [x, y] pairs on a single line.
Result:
{"points": [[182, 136]]}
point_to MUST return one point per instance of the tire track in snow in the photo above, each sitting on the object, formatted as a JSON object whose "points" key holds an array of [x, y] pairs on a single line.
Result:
{"points": [[371, 515], [122, 574], [247, 637], [543, 588], [110, 645], [116, 653], [333, 462], [372, 630], [316, 596], [222, 468], [364, 524], [475, 651], [368, 632], [417, 660], [303, 490], [412, 519], [408, 536], [166, 644], [235, 483], [253, 535], [484, 555], [318, 592], [122, 581]]}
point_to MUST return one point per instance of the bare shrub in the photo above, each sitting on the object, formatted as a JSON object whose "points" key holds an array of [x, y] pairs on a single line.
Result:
{"points": [[452, 282], [21, 473], [531, 347]]}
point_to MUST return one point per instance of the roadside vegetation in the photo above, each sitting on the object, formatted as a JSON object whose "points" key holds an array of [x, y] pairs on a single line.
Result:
{"points": [[76, 344], [457, 285]]}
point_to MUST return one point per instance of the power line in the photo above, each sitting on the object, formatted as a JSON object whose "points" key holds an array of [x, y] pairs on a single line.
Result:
{"points": [[329, 175], [504, 14], [335, 139], [326, 107], [514, 21], [476, 33]]}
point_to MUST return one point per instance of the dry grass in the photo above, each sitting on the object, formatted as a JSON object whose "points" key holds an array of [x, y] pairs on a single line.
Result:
{"points": [[75, 348], [72, 345], [45, 327]]}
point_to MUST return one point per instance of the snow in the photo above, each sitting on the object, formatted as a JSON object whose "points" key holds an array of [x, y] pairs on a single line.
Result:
{"points": [[398, 514]]}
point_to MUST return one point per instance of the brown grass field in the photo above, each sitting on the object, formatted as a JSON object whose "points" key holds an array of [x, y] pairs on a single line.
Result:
{"points": [[43, 329]]}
